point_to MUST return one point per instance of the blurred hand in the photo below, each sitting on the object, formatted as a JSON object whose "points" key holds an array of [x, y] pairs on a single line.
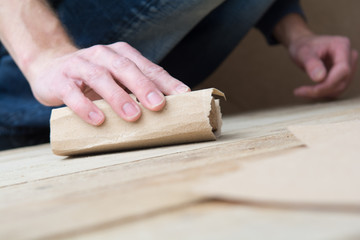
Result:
{"points": [[328, 60], [102, 71]]}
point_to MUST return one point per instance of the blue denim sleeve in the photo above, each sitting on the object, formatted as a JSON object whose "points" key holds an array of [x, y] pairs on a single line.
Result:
{"points": [[275, 13]]}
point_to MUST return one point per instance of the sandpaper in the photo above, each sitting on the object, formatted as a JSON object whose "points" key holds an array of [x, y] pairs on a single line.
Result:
{"points": [[188, 117]]}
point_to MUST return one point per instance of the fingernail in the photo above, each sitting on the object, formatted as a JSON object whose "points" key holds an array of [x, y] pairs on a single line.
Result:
{"points": [[318, 74], [155, 98], [95, 118], [130, 109], [182, 89]]}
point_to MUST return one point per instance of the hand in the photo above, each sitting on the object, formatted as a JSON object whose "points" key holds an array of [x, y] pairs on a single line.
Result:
{"points": [[102, 71], [328, 60]]}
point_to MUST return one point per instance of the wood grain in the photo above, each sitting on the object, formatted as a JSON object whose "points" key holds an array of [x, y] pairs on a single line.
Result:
{"points": [[43, 196]]}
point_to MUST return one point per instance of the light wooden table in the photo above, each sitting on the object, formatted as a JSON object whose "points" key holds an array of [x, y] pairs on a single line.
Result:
{"points": [[148, 194]]}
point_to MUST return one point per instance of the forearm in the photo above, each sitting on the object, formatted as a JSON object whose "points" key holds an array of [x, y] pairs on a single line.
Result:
{"points": [[59, 73], [30, 31], [291, 28]]}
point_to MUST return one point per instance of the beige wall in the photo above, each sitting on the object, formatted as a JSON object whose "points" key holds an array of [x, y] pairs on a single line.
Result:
{"points": [[257, 76]]}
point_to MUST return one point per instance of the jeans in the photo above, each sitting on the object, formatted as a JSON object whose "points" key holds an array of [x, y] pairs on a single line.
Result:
{"points": [[188, 38]]}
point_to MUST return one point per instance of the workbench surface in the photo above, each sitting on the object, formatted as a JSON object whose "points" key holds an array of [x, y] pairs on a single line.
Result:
{"points": [[149, 193]]}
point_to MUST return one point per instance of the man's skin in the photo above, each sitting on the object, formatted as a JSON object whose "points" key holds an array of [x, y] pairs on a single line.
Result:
{"points": [[60, 73], [328, 60]]}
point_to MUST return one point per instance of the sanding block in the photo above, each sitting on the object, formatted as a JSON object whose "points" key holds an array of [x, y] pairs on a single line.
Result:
{"points": [[189, 117]]}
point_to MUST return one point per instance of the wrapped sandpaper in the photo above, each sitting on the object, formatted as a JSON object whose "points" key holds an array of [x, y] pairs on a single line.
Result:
{"points": [[189, 117]]}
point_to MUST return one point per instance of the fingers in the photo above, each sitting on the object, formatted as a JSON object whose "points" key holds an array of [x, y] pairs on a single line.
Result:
{"points": [[99, 79], [355, 59], [340, 51], [129, 75], [339, 80], [312, 65], [82, 106], [145, 79], [336, 81], [162, 79], [108, 72], [341, 64], [354, 62]]}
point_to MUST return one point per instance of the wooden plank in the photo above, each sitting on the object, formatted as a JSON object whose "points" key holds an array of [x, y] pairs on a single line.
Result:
{"points": [[219, 220], [115, 193], [35, 163], [137, 170], [41, 193]]}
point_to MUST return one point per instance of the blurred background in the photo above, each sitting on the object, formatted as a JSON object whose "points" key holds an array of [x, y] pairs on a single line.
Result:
{"points": [[257, 76]]}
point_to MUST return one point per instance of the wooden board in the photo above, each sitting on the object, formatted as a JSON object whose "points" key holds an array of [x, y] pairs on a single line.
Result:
{"points": [[43, 196]]}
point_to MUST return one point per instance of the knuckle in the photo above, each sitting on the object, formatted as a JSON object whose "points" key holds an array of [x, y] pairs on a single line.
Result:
{"points": [[94, 73], [122, 45], [143, 83], [116, 96], [313, 64], [304, 50], [122, 62], [345, 70], [65, 90], [154, 70], [125, 47], [97, 50], [78, 105], [71, 62], [340, 40], [74, 60]]}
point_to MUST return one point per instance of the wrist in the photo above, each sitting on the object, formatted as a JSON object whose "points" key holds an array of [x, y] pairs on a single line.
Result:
{"points": [[32, 33], [290, 29], [31, 63]]}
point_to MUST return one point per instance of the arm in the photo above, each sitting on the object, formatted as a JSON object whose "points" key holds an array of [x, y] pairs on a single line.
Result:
{"points": [[60, 73], [30, 30], [328, 60]]}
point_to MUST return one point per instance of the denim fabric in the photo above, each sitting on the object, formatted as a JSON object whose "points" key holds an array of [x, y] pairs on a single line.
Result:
{"points": [[23, 120], [153, 27], [210, 42], [189, 38]]}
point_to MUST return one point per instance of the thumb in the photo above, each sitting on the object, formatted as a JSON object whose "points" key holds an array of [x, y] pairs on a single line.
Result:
{"points": [[313, 66]]}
